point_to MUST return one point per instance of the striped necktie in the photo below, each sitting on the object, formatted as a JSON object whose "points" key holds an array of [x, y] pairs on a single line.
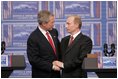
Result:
{"points": [[71, 40]]}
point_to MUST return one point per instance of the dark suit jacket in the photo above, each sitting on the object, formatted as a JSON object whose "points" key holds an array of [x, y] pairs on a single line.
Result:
{"points": [[73, 55], [41, 54]]}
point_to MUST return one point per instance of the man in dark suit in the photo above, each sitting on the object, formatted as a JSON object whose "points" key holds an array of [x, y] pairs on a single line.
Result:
{"points": [[43, 47], [74, 49]]}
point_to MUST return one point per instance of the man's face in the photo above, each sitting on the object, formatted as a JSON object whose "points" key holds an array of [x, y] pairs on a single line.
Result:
{"points": [[50, 24], [71, 26]]}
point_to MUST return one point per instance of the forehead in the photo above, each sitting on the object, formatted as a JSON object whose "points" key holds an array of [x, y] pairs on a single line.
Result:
{"points": [[70, 19], [51, 18]]}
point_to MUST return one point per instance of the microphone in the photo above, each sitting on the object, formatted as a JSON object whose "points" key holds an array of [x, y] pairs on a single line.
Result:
{"points": [[112, 49], [112, 46], [3, 47], [105, 49]]}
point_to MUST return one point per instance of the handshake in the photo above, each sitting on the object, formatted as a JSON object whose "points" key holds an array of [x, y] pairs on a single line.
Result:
{"points": [[57, 65]]}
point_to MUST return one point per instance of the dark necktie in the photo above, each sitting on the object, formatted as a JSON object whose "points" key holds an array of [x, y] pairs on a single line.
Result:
{"points": [[71, 40], [51, 42]]}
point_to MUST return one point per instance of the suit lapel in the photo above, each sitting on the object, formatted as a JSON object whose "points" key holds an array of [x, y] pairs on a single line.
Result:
{"points": [[54, 37], [74, 42], [64, 44], [54, 40], [43, 39]]}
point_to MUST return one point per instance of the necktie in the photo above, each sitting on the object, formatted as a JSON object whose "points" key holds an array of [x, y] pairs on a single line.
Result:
{"points": [[51, 42], [71, 40]]}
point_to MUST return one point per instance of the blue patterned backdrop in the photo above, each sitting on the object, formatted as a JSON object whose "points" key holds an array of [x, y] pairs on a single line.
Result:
{"points": [[19, 19]]}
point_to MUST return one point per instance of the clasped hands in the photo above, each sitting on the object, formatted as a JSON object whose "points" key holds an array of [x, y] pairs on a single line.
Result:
{"points": [[57, 65]]}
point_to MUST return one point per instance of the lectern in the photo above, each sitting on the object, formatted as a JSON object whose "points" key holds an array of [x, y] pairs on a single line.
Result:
{"points": [[91, 65], [17, 62]]}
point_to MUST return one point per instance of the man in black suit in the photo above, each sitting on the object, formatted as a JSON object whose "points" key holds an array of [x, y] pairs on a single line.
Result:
{"points": [[43, 47], [74, 49]]}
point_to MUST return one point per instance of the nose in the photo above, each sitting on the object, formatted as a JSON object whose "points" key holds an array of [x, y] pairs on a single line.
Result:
{"points": [[66, 25]]}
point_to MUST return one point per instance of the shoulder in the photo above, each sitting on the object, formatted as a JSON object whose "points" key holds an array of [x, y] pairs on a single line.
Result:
{"points": [[33, 34], [86, 38], [66, 38]]}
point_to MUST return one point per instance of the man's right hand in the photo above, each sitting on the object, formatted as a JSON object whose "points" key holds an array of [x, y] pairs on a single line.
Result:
{"points": [[57, 65], [55, 68]]}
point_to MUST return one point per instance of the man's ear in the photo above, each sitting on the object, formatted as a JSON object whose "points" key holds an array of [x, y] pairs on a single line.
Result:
{"points": [[77, 24]]}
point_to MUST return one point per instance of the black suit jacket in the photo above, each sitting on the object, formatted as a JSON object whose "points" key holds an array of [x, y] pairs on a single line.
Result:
{"points": [[41, 54], [73, 55]]}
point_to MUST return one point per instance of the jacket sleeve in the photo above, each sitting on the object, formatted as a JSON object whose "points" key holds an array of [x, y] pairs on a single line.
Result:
{"points": [[34, 57], [78, 60]]}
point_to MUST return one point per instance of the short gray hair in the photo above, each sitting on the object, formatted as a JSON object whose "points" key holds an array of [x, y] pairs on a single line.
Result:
{"points": [[43, 16]]}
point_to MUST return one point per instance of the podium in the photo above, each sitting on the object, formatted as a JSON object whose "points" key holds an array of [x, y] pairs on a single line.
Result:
{"points": [[17, 63], [91, 65]]}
